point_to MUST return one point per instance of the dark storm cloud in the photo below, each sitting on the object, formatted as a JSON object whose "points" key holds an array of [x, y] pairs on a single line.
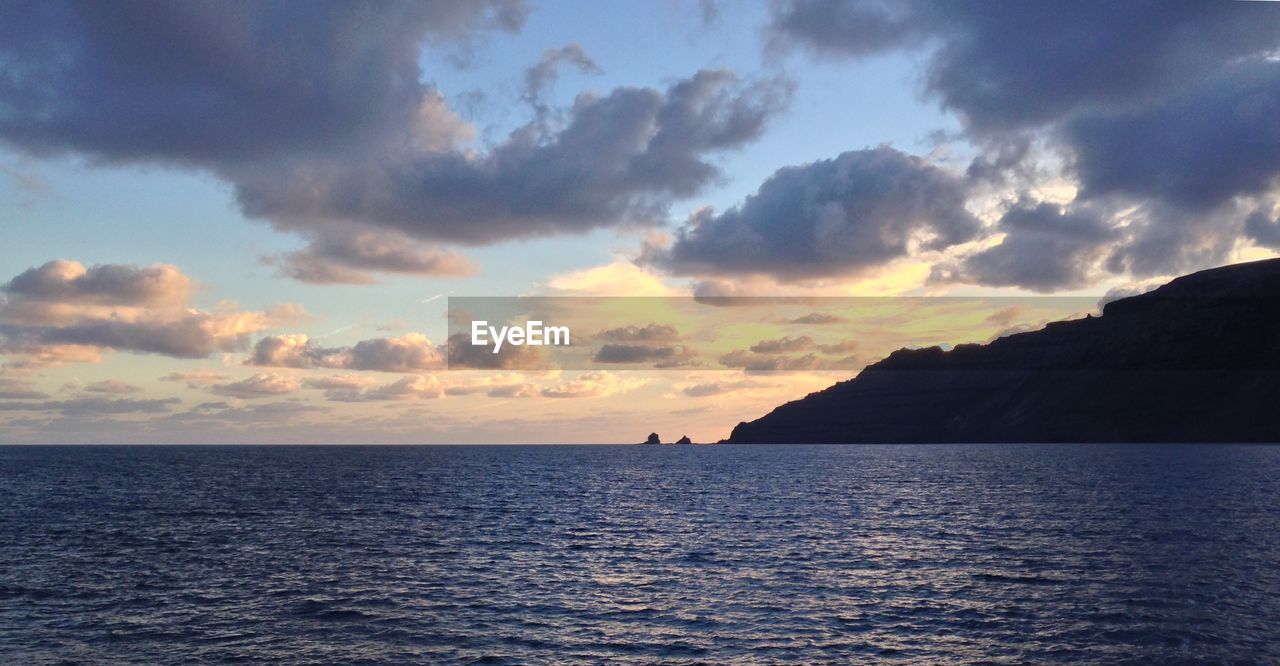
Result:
{"points": [[1006, 64], [621, 157], [847, 28], [1168, 239], [1264, 229], [220, 83], [1045, 248], [318, 115], [1196, 150], [1167, 108], [827, 218]]}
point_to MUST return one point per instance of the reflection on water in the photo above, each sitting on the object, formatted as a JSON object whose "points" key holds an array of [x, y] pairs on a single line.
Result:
{"points": [[641, 554]]}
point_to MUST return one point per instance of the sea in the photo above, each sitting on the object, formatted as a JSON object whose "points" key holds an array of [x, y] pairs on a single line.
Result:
{"points": [[912, 554]]}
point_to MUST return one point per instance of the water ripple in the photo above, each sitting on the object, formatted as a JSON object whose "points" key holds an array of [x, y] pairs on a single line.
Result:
{"points": [[642, 555]]}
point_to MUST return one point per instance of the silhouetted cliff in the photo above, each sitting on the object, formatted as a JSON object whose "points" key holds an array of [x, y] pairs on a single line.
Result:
{"points": [[1197, 360]]}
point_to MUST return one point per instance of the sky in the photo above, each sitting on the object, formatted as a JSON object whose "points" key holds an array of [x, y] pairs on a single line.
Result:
{"points": [[244, 223]]}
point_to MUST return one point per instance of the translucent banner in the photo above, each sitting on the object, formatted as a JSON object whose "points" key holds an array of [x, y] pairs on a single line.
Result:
{"points": [[758, 335]]}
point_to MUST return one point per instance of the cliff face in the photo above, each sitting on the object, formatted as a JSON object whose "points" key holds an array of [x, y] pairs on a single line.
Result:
{"points": [[1197, 360]]}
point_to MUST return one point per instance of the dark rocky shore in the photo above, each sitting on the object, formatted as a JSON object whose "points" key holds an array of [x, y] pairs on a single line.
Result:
{"points": [[1197, 360]]}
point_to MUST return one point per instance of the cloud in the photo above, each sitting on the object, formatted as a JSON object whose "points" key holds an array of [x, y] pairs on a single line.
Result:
{"points": [[543, 74], [646, 333], [224, 415], [1011, 65], [404, 353], [620, 158], [111, 386], [721, 387], [816, 319], [1163, 239], [783, 345], [27, 182], [844, 28], [494, 385], [464, 355], [1164, 111], [754, 362], [1195, 150], [709, 12], [411, 352], [351, 388], [593, 385], [667, 356], [415, 387], [737, 291], [1006, 316], [340, 382], [1045, 248], [842, 348], [13, 389], [522, 390], [342, 258], [63, 281], [828, 218], [195, 378], [620, 278], [93, 406], [1131, 289], [253, 80], [288, 351], [195, 336], [259, 385], [788, 345], [26, 355], [323, 120], [64, 312], [1264, 229]]}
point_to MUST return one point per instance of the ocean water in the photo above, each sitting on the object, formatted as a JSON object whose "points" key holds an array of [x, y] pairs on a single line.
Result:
{"points": [[730, 554]]}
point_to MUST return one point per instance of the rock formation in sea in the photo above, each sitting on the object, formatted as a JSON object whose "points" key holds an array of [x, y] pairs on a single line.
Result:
{"points": [[1197, 360], [653, 439], [684, 440]]}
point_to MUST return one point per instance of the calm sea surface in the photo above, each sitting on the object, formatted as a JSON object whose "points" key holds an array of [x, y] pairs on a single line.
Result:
{"points": [[730, 554]]}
